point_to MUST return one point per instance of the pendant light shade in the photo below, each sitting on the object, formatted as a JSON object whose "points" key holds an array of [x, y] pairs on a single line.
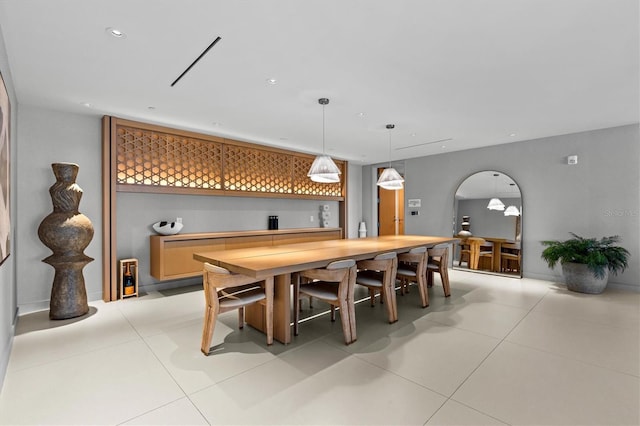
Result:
{"points": [[512, 211], [390, 178], [323, 169], [495, 204]]}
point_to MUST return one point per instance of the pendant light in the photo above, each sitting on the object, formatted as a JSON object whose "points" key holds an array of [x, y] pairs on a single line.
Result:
{"points": [[390, 178], [495, 203], [512, 211], [323, 169]]}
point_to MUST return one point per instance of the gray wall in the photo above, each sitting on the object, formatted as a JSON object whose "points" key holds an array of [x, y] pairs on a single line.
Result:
{"points": [[8, 290], [597, 197], [354, 204], [48, 136]]}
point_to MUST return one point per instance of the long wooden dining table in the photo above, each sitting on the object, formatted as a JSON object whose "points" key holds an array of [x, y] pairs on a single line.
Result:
{"points": [[281, 261]]}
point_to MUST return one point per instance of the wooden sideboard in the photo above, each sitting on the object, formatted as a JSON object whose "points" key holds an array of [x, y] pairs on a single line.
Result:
{"points": [[172, 255]]}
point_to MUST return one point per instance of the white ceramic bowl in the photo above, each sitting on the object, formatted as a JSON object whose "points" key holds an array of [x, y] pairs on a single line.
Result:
{"points": [[167, 228]]}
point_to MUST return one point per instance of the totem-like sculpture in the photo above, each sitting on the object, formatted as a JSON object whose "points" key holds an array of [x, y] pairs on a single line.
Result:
{"points": [[67, 232]]}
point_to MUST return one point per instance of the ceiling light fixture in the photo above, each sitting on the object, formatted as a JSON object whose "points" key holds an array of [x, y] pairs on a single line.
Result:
{"points": [[512, 211], [390, 178], [323, 169], [272, 81], [495, 203], [114, 32]]}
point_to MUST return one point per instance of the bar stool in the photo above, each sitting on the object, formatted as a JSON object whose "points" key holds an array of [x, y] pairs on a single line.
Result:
{"points": [[379, 276], [412, 267], [225, 291], [334, 285]]}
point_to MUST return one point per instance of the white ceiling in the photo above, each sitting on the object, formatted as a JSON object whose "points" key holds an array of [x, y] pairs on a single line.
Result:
{"points": [[476, 72]]}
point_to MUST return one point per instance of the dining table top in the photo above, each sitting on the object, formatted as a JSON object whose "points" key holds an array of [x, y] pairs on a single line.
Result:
{"points": [[265, 261]]}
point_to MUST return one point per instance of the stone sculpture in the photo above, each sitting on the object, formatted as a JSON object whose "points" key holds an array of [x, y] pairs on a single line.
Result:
{"points": [[67, 232]]}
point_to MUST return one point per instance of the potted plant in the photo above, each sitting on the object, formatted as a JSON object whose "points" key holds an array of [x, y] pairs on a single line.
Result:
{"points": [[586, 262]]}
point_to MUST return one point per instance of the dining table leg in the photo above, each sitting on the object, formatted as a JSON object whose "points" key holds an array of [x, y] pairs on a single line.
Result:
{"points": [[496, 253], [255, 315]]}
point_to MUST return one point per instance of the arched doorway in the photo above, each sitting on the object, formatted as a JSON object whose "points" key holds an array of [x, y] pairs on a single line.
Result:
{"points": [[491, 235]]}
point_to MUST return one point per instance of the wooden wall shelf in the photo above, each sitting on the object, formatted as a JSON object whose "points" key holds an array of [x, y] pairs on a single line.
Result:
{"points": [[172, 255]]}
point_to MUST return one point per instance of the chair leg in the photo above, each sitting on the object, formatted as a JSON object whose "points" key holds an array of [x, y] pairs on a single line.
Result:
{"points": [[390, 296], [444, 276], [333, 313], [346, 322], [372, 297], [352, 319], [429, 279], [210, 316], [424, 294], [241, 317]]}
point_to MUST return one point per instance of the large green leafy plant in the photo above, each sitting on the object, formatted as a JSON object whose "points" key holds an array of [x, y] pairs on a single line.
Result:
{"points": [[598, 255]]}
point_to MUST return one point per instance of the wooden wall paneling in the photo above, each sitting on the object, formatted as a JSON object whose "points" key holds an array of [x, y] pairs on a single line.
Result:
{"points": [[143, 157]]}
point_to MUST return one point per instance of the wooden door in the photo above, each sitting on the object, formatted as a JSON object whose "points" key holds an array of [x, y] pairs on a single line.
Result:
{"points": [[390, 211]]}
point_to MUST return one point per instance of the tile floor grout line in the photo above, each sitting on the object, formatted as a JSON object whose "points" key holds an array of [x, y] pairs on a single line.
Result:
{"points": [[494, 349]]}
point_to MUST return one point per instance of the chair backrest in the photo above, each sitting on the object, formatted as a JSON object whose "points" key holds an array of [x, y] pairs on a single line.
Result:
{"points": [[341, 264], [439, 251], [511, 246], [386, 256], [418, 250]]}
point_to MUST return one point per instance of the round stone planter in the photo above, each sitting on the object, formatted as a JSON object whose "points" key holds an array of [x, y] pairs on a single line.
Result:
{"points": [[581, 279]]}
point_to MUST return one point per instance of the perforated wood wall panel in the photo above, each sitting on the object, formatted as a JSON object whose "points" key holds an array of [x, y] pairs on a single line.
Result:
{"points": [[153, 160], [146, 157]]}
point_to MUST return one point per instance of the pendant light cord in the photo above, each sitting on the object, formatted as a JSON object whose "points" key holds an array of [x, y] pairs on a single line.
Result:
{"points": [[390, 127], [323, 151]]}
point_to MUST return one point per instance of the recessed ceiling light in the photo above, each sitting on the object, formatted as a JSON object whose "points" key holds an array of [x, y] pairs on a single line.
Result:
{"points": [[114, 32], [360, 114], [272, 81], [86, 104], [413, 135], [443, 146], [512, 134]]}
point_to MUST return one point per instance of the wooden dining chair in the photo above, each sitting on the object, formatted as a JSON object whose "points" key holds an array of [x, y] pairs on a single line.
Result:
{"points": [[334, 285], [485, 257], [439, 262], [225, 291], [412, 267], [379, 276], [465, 254], [510, 257]]}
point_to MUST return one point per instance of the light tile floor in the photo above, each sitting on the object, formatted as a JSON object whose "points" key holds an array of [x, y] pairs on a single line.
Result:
{"points": [[498, 351]]}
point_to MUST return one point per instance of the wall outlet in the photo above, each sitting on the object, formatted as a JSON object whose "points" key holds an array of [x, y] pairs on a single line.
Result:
{"points": [[310, 218]]}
